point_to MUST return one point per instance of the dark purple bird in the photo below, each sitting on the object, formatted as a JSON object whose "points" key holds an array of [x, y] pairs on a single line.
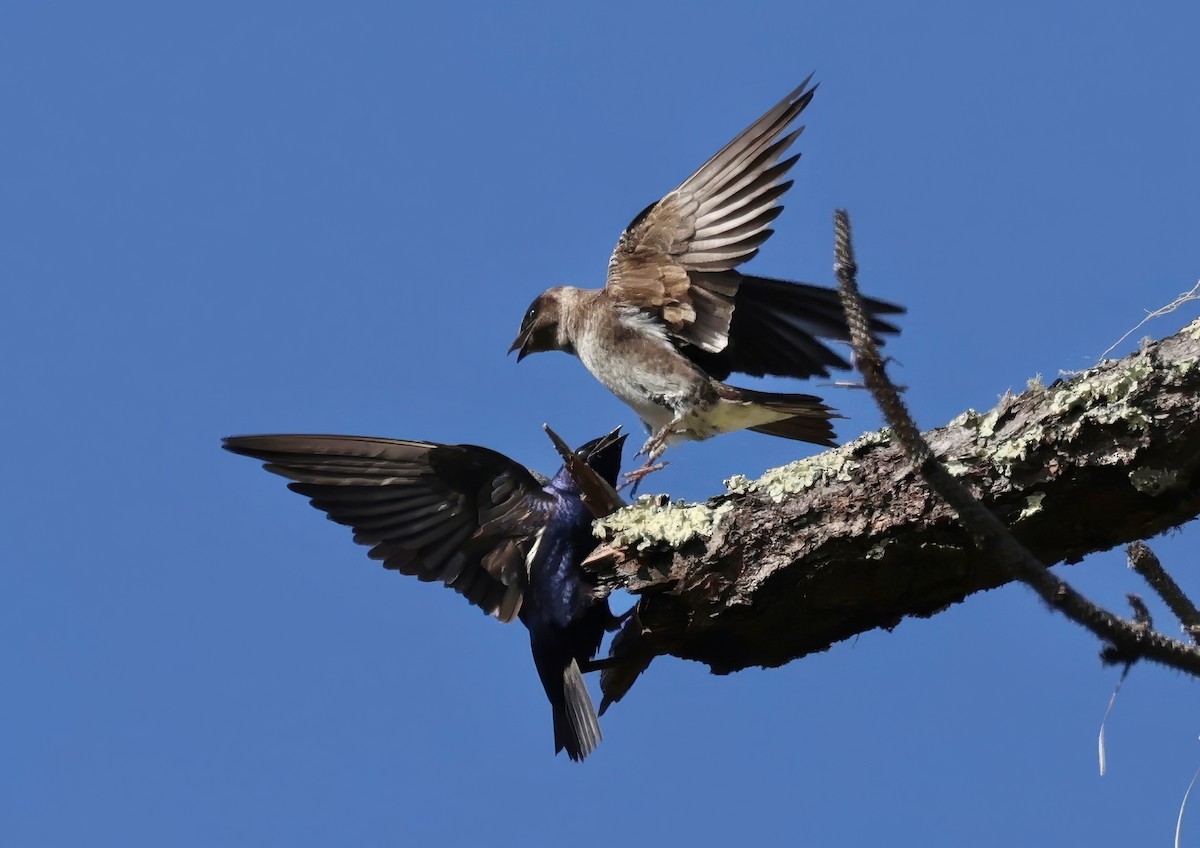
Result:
{"points": [[507, 539]]}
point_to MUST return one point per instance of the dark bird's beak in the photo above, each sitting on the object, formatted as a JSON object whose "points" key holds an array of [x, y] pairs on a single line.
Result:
{"points": [[597, 493]]}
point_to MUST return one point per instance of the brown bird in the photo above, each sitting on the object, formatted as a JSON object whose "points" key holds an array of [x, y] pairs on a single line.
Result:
{"points": [[675, 317]]}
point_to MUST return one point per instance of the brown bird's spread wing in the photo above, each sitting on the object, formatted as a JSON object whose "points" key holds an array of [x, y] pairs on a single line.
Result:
{"points": [[460, 514], [677, 257]]}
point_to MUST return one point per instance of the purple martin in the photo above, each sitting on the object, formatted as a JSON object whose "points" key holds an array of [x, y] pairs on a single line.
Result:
{"points": [[675, 317], [511, 542]]}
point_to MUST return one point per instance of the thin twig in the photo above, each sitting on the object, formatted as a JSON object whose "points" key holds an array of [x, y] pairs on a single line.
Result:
{"points": [[1141, 618], [1183, 804], [990, 534], [1141, 612], [1187, 296], [1104, 721], [1144, 562]]}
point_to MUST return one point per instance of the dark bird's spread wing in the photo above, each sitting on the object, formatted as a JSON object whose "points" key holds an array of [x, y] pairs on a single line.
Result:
{"points": [[460, 514], [678, 261], [674, 258]]}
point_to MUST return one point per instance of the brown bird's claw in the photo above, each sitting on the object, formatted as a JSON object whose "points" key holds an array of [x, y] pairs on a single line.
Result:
{"points": [[635, 477], [655, 445]]}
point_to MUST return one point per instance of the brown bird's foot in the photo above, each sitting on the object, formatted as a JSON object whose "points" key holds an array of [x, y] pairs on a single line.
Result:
{"points": [[635, 477], [656, 444]]}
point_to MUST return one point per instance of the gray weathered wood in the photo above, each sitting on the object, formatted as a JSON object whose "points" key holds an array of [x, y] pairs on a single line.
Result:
{"points": [[852, 540]]}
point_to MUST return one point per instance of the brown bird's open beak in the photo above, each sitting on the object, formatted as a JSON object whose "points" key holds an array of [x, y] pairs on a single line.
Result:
{"points": [[520, 344]]}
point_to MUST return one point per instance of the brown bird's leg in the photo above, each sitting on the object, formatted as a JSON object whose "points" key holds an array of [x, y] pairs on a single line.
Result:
{"points": [[652, 450], [657, 443]]}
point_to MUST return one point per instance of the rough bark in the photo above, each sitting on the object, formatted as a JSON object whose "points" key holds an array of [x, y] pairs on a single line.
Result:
{"points": [[852, 539]]}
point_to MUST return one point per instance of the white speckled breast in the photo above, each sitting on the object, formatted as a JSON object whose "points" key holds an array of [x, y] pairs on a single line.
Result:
{"points": [[630, 354]]}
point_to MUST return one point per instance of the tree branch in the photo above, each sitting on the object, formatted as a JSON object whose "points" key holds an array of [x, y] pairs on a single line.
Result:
{"points": [[1127, 640], [853, 539], [1144, 562]]}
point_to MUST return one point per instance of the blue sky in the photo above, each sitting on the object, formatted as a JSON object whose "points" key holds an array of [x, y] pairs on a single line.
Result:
{"points": [[290, 217]]}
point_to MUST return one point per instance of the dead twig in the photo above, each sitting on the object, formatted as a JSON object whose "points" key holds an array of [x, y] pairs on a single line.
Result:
{"points": [[1144, 562], [1193, 294]]}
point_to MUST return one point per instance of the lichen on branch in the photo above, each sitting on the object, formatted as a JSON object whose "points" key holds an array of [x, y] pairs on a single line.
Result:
{"points": [[852, 539]]}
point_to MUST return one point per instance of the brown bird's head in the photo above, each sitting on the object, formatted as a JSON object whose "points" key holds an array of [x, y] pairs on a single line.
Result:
{"points": [[543, 328]]}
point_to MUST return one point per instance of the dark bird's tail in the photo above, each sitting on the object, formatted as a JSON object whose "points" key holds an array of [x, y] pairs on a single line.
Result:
{"points": [[576, 726]]}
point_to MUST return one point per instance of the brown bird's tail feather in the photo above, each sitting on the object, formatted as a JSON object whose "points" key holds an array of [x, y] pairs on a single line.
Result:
{"points": [[808, 418], [801, 430]]}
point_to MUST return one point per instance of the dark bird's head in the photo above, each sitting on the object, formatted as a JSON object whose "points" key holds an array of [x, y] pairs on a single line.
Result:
{"points": [[590, 473], [603, 458], [603, 455], [543, 328]]}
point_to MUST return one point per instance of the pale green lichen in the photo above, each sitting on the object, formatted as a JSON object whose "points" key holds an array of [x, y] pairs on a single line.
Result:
{"points": [[739, 484], [957, 467], [832, 465], [1193, 330], [973, 419], [1098, 396], [882, 436], [986, 426], [651, 522], [1153, 481], [804, 474], [1035, 383], [1106, 387], [1033, 505], [1103, 397], [1015, 450], [970, 418], [878, 550]]}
